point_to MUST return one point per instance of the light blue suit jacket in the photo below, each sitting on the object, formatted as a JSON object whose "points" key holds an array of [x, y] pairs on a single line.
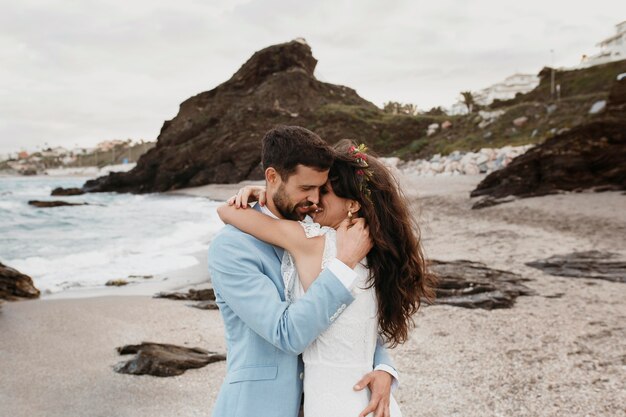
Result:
{"points": [[265, 335]]}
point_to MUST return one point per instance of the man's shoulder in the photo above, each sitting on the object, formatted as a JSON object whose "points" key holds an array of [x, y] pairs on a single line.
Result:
{"points": [[231, 235]]}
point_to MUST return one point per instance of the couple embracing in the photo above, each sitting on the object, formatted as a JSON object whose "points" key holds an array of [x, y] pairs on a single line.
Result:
{"points": [[314, 281]]}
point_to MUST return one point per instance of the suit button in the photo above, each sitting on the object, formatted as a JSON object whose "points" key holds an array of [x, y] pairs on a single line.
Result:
{"points": [[301, 375]]}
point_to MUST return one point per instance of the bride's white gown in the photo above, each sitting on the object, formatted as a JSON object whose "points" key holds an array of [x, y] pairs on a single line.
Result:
{"points": [[344, 353]]}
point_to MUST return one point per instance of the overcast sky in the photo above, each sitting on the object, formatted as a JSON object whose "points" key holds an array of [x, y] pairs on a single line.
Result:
{"points": [[79, 72]]}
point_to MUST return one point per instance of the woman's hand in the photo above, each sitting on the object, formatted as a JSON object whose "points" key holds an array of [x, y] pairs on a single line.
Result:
{"points": [[249, 193]]}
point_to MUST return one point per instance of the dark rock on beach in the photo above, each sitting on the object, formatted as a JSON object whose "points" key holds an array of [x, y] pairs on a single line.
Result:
{"points": [[16, 286], [161, 359], [56, 203], [589, 156], [590, 264], [67, 191], [216, 135], [116, 283], [206, 294], [473, 285], [206, 305]]}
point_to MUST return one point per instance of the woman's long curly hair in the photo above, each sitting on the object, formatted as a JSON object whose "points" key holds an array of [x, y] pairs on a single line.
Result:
{"points": [[398, 270]]}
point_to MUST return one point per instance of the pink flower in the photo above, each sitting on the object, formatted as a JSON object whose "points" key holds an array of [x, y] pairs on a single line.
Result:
{"points": [[352, 149], [360, 172]]}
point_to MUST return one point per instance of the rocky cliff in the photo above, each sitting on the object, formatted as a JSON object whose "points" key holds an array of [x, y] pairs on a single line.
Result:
{"points": [[591, 155], [216, 135]]}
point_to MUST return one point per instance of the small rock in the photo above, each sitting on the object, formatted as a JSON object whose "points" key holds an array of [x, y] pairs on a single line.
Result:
{"points": [[520, 121], [432, 129], [116, 282], [194, 295], [206, 305], [597, 107], [67, 191], [58, 203]]}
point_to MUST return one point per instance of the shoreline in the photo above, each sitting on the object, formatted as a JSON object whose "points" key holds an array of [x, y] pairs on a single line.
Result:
{"points": [[559, 352], [196, 276]]}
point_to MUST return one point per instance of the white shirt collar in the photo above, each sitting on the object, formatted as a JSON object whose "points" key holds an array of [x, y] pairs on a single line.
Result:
{"points": [[267, 211]]}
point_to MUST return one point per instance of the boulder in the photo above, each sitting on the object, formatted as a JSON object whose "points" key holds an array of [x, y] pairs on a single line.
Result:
{"points": [[16, 286], [161, 359]]}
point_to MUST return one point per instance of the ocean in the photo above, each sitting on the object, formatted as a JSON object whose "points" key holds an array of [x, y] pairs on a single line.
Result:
{"points": [[117, 236]]}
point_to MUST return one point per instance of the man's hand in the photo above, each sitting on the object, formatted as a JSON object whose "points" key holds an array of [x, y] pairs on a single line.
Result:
{"points": [[249, 193], [353, 241], [379, 383]]}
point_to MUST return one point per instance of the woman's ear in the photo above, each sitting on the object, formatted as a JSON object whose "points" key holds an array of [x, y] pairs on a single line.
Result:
{"points": [[354, 206]]}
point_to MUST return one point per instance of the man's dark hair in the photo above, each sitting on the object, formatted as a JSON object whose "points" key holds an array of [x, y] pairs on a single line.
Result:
{"points": [[286, 147]]}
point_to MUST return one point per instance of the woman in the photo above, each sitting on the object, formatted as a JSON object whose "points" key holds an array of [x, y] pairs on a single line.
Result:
{"points": [[392, 280]]}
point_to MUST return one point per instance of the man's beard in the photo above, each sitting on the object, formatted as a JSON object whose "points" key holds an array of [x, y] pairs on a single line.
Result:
{"points": [[286, 208]]}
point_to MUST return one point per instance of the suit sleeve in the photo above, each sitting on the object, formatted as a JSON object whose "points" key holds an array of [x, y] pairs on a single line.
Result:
{"points": [[237, 276], [383, 362]]}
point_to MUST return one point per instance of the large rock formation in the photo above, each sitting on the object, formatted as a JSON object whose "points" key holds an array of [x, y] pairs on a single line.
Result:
{"points": [[591, 155], [216, 136]]}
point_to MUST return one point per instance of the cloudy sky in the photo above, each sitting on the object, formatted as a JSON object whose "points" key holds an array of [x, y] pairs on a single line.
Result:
{"points": [[79, 72]]}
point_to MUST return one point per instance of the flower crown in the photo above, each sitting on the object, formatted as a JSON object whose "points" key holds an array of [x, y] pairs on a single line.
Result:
{"points": [[364, 173]]}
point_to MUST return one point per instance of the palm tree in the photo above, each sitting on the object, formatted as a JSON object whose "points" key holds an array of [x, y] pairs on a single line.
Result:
{"points": [[468, 100]]}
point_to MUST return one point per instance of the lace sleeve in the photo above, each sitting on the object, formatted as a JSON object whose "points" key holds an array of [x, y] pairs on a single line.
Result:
{"points": [[311, 229]]}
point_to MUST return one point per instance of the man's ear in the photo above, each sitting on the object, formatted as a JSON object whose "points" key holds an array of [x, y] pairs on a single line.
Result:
{"points": [[354, 206], [272, 177]]}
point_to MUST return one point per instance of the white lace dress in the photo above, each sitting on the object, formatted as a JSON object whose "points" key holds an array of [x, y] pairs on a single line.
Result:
{"points": [[341, 355]]}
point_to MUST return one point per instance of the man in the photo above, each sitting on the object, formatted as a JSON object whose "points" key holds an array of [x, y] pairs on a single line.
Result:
{"points": [[265, 335]]}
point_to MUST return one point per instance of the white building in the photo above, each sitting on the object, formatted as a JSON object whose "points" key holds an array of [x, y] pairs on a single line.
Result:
{"points": [[612, 48], [507, 89], [107, 145]]}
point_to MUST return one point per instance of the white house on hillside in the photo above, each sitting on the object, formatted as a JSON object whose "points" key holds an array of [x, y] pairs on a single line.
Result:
{"points": [[612, 48], [507, 89]]}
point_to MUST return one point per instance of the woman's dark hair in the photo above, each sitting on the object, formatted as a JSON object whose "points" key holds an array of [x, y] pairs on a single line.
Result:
{"points": [[398, 270], [286, 147]]}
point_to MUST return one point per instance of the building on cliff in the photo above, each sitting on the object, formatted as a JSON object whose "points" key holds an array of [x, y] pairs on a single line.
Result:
{"points": [[507, 89], [612, 48], [504, 90]]}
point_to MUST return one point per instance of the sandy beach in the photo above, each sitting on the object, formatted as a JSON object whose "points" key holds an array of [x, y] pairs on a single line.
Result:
{"points": [[561, 352]]}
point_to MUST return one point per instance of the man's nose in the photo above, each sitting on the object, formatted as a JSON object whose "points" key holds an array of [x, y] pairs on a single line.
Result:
{"points": [[314, 197]]}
